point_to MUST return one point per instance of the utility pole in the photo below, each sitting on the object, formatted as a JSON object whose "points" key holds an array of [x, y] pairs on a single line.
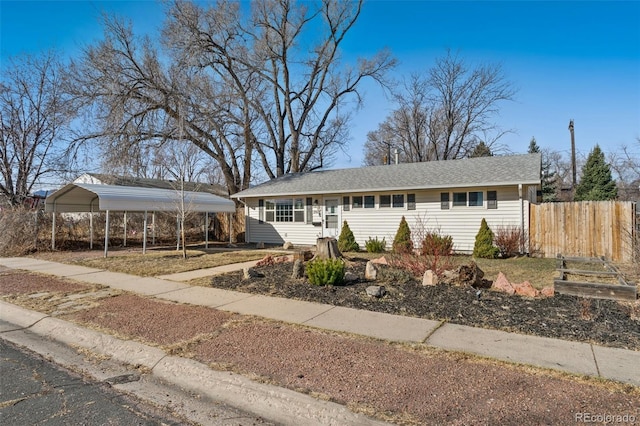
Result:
{"points": [[573, 157]]}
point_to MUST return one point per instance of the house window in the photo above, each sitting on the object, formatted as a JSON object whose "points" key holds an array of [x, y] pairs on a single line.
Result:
{"points": [[369, 201], [475, 199], [345, 204], [459, 199], [269, 210], [492, 199], [298, 210], [398, 200], [357, 202], [284, 210], [309, 203], [385, 201], [444, 201], [411, 201]]}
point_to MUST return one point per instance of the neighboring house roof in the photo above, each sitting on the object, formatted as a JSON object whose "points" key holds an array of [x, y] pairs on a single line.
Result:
{"points": [[85, 197], [106, 179], [468, 172]]}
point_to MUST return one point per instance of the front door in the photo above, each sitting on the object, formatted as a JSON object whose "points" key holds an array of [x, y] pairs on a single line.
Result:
{"points": [[331, 225]]}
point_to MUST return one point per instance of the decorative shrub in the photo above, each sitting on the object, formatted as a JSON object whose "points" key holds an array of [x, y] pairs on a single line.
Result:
{"points": [[508, 239], [346, 240], [376, 245], [402, 242], [325, 271], [435, 244], [483, 247]]}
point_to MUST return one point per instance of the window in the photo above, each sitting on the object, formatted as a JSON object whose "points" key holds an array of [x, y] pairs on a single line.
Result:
{"points": [[284, 210], [270, 208], [345, 204], [411, 201], [369, 201], [444, 201], [398, 200], [298, 210], [475, 199], [459, 199], [492, 199], [385, 201], [357, 202], [309, 203], [470, 199]]}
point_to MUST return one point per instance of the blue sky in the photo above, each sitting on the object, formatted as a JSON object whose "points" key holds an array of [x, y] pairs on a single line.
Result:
{"points": [[568, 60]]}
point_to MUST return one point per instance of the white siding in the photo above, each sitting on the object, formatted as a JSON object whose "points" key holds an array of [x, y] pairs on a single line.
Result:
{"points": [[462, 223]]}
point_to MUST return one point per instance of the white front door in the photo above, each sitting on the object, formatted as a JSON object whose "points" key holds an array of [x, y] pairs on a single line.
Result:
{"points": [[331, 225]]}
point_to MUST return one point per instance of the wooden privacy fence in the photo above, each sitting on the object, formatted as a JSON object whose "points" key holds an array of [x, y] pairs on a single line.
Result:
{"points": [[584, 229]]}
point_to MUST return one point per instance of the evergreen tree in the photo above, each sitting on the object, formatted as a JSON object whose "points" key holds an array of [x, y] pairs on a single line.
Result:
{"points": [[483, 247], [346, 240], [549, 181], [481, 150], [596, 183], [402, 242]]}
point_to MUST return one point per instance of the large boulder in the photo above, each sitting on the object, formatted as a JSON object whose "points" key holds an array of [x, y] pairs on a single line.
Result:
{"points": [[376, 290], [525, 289], [287, 246], [298, 269]]}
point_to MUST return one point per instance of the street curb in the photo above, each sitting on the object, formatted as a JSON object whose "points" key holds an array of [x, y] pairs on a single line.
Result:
{"points": [[279, 405]]}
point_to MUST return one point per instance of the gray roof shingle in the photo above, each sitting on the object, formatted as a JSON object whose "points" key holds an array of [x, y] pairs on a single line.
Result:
{"points": [[468, 172]]}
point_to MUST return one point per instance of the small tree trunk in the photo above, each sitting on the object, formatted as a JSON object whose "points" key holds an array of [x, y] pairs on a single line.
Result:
{"points": [[327, 248]]}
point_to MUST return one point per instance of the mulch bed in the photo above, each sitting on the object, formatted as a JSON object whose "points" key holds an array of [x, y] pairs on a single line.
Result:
{"points": [[603, 322]]}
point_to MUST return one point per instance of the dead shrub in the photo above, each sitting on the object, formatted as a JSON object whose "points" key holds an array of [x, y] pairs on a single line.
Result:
{"points": [[23, 231], [509, 240]]}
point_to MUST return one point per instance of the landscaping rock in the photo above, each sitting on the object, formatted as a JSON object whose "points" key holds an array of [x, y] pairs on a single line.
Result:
{"points": [[371, 271], [266, 261], [298, 269], [547, 292], [380, 261], [502, 284], [429, 278], [525, 289], [288, 245], [249, 273], [260, 245], [350, 277], [376, 290]]}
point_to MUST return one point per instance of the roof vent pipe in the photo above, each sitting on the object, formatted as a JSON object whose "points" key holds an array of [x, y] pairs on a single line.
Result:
{"points": [[397, 155]]}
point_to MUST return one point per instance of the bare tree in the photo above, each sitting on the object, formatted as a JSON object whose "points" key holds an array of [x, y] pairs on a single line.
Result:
{"points": [[447, 112], [625, 166], [35, 114], [284, 63]]}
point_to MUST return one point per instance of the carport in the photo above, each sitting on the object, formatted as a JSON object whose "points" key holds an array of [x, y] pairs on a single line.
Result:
{"points": [[91, 198]]}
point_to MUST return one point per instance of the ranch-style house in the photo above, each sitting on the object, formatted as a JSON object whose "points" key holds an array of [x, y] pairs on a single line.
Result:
{"points": [[450, 197]]}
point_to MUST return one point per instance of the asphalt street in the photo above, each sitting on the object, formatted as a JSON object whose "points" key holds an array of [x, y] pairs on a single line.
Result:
{"points": [[36, 391]]}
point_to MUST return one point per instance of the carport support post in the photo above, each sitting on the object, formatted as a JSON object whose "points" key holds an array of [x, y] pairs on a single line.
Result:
{"points": [[153, 231], [206, 230], [230, 230], [144, 234], [91, 228], [125, 229], [53, 229], [106, 234]]}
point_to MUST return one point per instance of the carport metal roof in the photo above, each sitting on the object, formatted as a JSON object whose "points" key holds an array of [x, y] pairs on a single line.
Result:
{"points": [[85, 197]]}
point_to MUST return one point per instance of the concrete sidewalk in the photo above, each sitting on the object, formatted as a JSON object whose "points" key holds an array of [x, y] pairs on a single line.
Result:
{"points": [[572, 357]]}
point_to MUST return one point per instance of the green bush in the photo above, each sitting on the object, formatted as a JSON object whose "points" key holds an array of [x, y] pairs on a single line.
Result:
{"points": [[484, 248], [375, 246], [346, 240], [325, 271], [402, 242], [436, 244]]}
